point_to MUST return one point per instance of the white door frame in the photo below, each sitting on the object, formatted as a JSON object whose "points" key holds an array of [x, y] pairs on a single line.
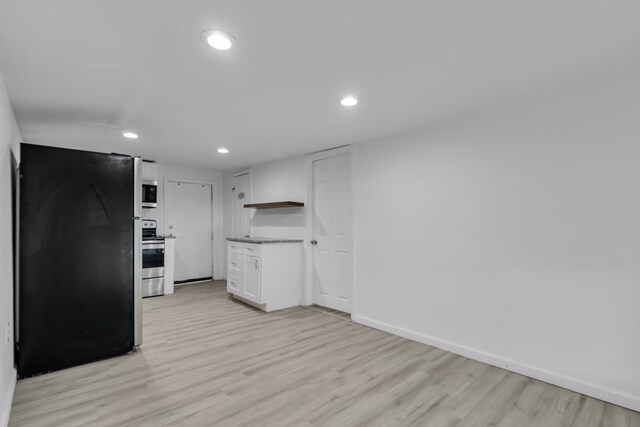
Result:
{"points": [[307, 292], [217, 234]]}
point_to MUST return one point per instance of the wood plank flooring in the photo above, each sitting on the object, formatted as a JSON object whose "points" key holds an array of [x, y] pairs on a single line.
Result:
{"points": [[209, 361]]}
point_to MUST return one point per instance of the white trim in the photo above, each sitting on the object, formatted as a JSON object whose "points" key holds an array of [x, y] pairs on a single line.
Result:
{"points": [[216, 194], [599, 392], [355, 185], [5, 412], [195, 281], [307, 291]]}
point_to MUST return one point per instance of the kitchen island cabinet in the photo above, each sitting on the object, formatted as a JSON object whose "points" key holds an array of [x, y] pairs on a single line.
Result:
{"points": [[265, 273]]}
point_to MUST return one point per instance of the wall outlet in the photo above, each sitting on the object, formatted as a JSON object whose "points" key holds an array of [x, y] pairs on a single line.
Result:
{"points": [[7, 333]]}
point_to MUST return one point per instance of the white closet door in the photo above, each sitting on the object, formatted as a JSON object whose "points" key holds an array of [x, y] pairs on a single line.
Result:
{"points": [[333, 252], [188, 212], [241, 196]]}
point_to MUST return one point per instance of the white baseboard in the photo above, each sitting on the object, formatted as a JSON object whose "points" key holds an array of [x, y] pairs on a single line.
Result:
{"points": [[599, 392], [191, 283], [5, 410]]}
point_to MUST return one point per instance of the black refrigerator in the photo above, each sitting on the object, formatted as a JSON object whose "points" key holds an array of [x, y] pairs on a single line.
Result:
{"points": [[79, 258]]}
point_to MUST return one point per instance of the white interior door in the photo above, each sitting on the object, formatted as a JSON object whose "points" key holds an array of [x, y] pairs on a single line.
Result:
{"points": [[188, 218], [332, 229], [241, 196]]}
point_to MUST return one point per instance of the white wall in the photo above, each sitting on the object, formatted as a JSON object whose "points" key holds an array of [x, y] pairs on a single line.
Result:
{"points": [[512, 235], [161, 172], [9, 140], [274, 182]]}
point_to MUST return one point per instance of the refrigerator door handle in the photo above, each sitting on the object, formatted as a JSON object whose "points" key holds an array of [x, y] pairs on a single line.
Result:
{"points": [[137, 187], [16, 260], [137, 282]]}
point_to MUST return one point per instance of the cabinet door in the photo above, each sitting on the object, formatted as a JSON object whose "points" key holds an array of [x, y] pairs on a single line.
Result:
{"points": [[251, 288]]}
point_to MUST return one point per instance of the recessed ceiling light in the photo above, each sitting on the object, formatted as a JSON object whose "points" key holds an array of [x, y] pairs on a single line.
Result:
{"points": [[218, 39], [223, 150], [349, 101], [130, 135]]}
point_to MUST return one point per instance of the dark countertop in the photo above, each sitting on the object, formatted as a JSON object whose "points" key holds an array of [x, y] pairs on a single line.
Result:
{"points": [[260, 240]]}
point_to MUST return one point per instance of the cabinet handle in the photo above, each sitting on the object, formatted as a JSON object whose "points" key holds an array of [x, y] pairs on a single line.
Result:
{"points": [[314, 242], [256, 264]]}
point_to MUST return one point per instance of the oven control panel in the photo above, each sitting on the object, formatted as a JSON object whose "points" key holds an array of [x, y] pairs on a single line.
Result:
{"points": [[149, 223]]}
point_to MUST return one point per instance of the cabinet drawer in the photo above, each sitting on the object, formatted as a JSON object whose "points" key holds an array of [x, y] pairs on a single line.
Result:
{"points": [[234, 267], [234, 283], [252, 249], [235, 247], [235, 256]]}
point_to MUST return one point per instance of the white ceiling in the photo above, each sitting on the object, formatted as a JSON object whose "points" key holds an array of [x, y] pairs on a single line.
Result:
{"points": [[81, 71]]}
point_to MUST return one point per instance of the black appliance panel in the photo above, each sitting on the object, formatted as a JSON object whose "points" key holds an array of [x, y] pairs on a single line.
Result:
{"points": [[76, 258]]}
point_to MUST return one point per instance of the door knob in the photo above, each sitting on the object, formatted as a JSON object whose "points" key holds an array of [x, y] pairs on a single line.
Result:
{"points": [[314, 242]]}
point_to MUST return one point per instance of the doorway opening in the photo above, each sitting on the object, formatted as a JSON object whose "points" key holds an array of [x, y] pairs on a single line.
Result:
{"points": [[241, 224]]}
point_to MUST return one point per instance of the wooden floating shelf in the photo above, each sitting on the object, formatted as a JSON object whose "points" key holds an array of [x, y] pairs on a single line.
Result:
{"points": [[273, 205]]}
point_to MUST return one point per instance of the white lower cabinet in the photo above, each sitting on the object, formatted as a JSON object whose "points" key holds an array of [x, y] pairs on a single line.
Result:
{"points": [[268, 276]]}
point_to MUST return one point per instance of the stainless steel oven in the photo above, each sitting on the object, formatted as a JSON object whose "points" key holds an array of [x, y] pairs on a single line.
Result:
{"points": [[149, 194], [152, 260]]}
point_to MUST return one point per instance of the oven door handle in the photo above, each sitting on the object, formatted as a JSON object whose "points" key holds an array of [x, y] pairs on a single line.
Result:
{"points": [[153, 246]]}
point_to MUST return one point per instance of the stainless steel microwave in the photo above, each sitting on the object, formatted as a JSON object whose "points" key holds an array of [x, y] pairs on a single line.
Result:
{"points": [[149, 194]]}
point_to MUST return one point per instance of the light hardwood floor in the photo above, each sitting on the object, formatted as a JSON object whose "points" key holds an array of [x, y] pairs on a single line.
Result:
{"points": [[209, 361]]}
